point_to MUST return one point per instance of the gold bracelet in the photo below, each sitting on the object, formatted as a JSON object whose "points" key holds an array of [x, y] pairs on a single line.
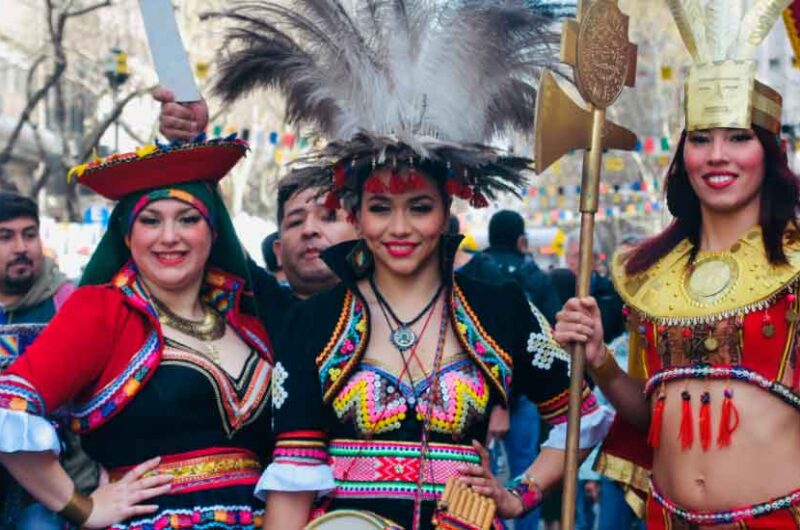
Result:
{"points": [[78, 508], [607, 370]]}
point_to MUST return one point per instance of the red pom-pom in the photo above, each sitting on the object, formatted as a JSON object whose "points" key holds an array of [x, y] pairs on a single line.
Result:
{"points": [[478, 200], [415, 180], [332, 201], [339, 174], [374, 185], [453, 187], [396, 184], [791, 297], [465, 192]]}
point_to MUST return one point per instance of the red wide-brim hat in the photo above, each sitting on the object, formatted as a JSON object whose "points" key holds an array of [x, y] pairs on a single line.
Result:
{"points": [[160, 165]]}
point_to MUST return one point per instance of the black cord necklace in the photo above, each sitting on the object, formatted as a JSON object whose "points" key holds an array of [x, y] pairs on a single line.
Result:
{"points": [[403, 337]]}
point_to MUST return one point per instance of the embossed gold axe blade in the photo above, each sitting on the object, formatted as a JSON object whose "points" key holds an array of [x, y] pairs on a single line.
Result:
{"points": [[561, 125]]}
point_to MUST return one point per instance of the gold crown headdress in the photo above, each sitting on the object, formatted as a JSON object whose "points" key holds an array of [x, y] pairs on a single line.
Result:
{"points": [[721, 90]]}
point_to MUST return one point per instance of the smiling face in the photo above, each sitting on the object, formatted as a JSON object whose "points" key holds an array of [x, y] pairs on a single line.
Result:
{"points": [[308, 228], [403, 230], [170, 242], [725, 168]]}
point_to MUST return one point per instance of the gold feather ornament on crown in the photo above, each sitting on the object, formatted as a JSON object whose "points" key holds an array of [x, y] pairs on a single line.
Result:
{"points": [[721, 90]]}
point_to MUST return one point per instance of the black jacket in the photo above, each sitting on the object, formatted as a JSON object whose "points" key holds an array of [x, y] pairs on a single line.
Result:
{"points": [[533, 280]]}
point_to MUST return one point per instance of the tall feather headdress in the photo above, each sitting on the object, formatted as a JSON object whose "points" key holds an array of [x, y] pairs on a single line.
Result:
{"points": [[721, 90], [410, 83]]}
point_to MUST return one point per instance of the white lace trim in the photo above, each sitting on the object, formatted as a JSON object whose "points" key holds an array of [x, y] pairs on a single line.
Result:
{"points": [[20, 431]]}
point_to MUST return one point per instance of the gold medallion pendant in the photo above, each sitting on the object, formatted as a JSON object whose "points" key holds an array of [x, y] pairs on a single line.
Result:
{"points": [[711, 279]]}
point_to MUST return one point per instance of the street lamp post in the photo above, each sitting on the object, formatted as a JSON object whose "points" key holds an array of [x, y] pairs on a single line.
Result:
{"points": [[116, 70]]}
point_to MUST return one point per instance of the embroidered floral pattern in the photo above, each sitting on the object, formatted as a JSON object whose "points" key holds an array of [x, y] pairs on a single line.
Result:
{"points": [[279, 393], [233, 517], [544, 347], [344, 349]]}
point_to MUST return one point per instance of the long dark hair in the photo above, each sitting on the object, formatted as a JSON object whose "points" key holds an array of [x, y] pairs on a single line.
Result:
{"points": [[779, 198]]}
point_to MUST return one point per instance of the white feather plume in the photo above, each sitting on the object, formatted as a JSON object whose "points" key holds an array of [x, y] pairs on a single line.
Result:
{"points": [[457, 71]]}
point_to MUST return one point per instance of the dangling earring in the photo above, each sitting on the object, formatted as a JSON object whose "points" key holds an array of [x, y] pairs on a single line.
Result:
{"points": [[360, 259]]}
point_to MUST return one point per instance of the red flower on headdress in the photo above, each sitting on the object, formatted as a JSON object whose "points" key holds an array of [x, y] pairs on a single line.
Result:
{"points": [[453, 187], [478, 200], [339, 174], [374, 185], [396, 183], [332, 201], [415, 180]]}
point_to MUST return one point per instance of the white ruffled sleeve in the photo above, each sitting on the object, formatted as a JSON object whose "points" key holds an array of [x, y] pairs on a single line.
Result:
{"points": [[289, 477], [22, 428], [594, 428]]}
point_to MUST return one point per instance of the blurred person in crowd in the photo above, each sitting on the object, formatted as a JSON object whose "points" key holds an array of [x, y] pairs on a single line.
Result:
{"points": [[159, 358], [600, 287], [32, 289], [271, 261], [508, 248], [471, 262]]}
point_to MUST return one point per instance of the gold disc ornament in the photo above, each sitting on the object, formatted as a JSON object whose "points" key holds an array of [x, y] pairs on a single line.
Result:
{"points": [[711, 279], [604, 54]]}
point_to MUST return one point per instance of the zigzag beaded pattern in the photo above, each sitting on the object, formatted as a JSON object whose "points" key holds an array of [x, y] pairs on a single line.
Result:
{"points": [[377, 402]]}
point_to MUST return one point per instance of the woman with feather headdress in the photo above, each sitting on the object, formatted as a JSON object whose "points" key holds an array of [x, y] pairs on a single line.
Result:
{"points": [[385, 381], [713, 304]]}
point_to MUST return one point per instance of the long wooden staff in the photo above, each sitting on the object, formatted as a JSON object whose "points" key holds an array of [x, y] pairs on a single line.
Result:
{"points": [[604, 61]]}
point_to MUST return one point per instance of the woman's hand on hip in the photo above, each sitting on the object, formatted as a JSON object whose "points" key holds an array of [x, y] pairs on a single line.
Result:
{"points": [[120, 500], [579, 322]]}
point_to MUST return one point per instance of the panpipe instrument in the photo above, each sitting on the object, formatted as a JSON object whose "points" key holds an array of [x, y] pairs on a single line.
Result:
{"points": [[460, 508]]}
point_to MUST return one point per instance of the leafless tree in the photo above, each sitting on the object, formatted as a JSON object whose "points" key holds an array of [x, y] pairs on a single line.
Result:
{"points": [[73, 149]]}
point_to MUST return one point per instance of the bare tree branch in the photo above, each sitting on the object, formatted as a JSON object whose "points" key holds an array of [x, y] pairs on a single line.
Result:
{"points": [[32, 73], [94, 136], [87, 9], [5, 154]]}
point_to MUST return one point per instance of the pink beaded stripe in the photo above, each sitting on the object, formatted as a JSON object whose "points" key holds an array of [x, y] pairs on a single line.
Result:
{"points": [[367, 469]]}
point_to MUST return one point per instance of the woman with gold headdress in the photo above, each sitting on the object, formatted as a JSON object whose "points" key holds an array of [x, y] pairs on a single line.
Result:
{"points": [[158, 358], [712, 303]]}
